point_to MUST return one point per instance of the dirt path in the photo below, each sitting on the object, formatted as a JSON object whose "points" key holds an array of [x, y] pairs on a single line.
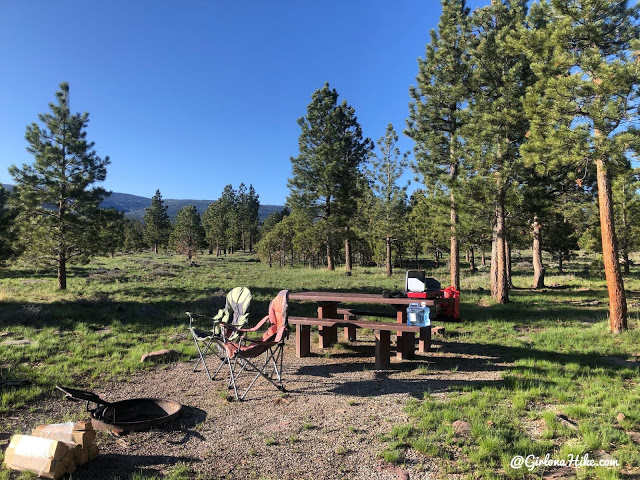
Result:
{"points": [[328, 426]]}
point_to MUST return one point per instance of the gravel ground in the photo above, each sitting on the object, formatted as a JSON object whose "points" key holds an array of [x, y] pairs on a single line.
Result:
{"points": [[328, 425]]}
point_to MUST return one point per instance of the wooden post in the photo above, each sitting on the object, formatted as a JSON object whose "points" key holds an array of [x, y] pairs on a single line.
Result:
{"points": [[383, 349], [327, 335], [424, 343], [303, 340], [405, 340]]}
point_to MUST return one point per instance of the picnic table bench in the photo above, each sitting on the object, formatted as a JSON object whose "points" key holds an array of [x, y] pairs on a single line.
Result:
{"points": [[354, 313], [327, 330]]}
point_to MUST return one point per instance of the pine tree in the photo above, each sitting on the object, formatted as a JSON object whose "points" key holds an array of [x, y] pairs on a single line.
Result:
{"points": [[386, 169], [253, 219], [585, 102], [327, 171], [497, 125], [438, 112], [626, 203], [187, 235], [134, 236], [233, 220], [111, 232], [8, 247], [57, 206], [157, 224], [248, 207], [214, 222]]}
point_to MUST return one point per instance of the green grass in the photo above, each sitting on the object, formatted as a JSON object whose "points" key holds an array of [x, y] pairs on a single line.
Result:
{"points": [[552, 347]]}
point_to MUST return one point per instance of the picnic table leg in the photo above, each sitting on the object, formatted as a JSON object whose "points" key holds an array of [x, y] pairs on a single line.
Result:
{"points": [[349, 334], [424, 344], [303, 340], [327, 336], [383, 349], [405, 340]]}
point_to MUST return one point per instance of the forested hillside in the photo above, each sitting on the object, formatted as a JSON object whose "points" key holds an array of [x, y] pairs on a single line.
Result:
{"points": [[133, 206]]}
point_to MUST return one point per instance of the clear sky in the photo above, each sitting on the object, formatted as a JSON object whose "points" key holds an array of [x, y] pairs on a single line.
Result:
{"points": [[187, 96]]}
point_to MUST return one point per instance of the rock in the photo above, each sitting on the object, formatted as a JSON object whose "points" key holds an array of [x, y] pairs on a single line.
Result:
{"points": [[160, 356], [17, 342], [5, 334], [461, 428], [567, 422], [634, 436], [620, 417], [562, 473], [620, 362], [437, 330], [402, 474], [601, 455]]}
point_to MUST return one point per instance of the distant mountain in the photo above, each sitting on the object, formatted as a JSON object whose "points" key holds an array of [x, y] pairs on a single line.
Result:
{"points": [[133, 205]]}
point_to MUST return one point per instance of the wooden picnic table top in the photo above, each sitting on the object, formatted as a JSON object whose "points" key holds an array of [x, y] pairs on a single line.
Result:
{"points": [[373, 298]]}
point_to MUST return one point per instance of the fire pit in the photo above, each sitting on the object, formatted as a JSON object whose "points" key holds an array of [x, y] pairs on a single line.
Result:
{"points": [[126, 415]]}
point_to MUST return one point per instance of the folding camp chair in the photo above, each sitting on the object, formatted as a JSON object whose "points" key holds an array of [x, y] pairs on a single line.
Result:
{"points": [[243, 355], [235, 313]]}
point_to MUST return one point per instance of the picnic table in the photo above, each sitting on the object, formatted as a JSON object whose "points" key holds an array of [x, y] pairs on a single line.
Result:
{"points": [[330, 317]]}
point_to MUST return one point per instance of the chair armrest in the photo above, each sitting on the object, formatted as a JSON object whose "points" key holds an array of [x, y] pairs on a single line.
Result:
{"points": [[257, 326], [195, 316]]}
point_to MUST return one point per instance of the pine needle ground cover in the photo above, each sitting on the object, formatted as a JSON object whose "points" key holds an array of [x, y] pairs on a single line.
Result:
{"points": [[567, 386]]}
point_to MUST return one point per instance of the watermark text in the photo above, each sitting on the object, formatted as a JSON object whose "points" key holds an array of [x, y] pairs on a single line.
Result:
{"points": [[530, 462]]}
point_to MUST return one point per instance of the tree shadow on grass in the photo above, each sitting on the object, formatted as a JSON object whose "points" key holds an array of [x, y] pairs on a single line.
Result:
{"points": [[470, 366]]}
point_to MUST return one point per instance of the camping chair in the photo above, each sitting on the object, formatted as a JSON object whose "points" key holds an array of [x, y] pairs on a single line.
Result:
{"points": [[235, 313], [243, 355]]}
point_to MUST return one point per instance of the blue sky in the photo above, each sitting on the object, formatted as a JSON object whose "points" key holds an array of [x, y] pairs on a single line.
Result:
{"points": [[187, 96]]}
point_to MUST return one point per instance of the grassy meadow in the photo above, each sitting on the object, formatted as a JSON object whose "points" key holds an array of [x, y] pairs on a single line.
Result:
{"points": [[568, 387]]}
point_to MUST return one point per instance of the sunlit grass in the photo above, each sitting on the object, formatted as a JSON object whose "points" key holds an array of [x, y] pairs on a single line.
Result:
{"points": [[553, 346]]}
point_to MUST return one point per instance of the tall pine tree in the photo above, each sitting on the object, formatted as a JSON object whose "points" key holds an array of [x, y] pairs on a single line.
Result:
{"points": [[497, 125], [327, 173], [387, 167], [187, 235], [585, 107], [438, 112], [7, 227], [58, 206], [157, 224]]}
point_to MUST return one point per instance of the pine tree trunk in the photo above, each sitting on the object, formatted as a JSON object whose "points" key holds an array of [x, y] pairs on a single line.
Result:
{"points": [[62, 270], [560, 262], [615, 285], [330, 264], [454, 261], [472, 260], [348, 259], [436, 256], [484, 258], [538, 267], [507, 246], [155, 249], [389, 266], [625, 259], [493, 274], [500, 291]]}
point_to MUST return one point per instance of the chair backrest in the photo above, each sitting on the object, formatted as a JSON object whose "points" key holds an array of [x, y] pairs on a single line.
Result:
{"points": [[239, 302], [278, 315], [236, 310]]}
